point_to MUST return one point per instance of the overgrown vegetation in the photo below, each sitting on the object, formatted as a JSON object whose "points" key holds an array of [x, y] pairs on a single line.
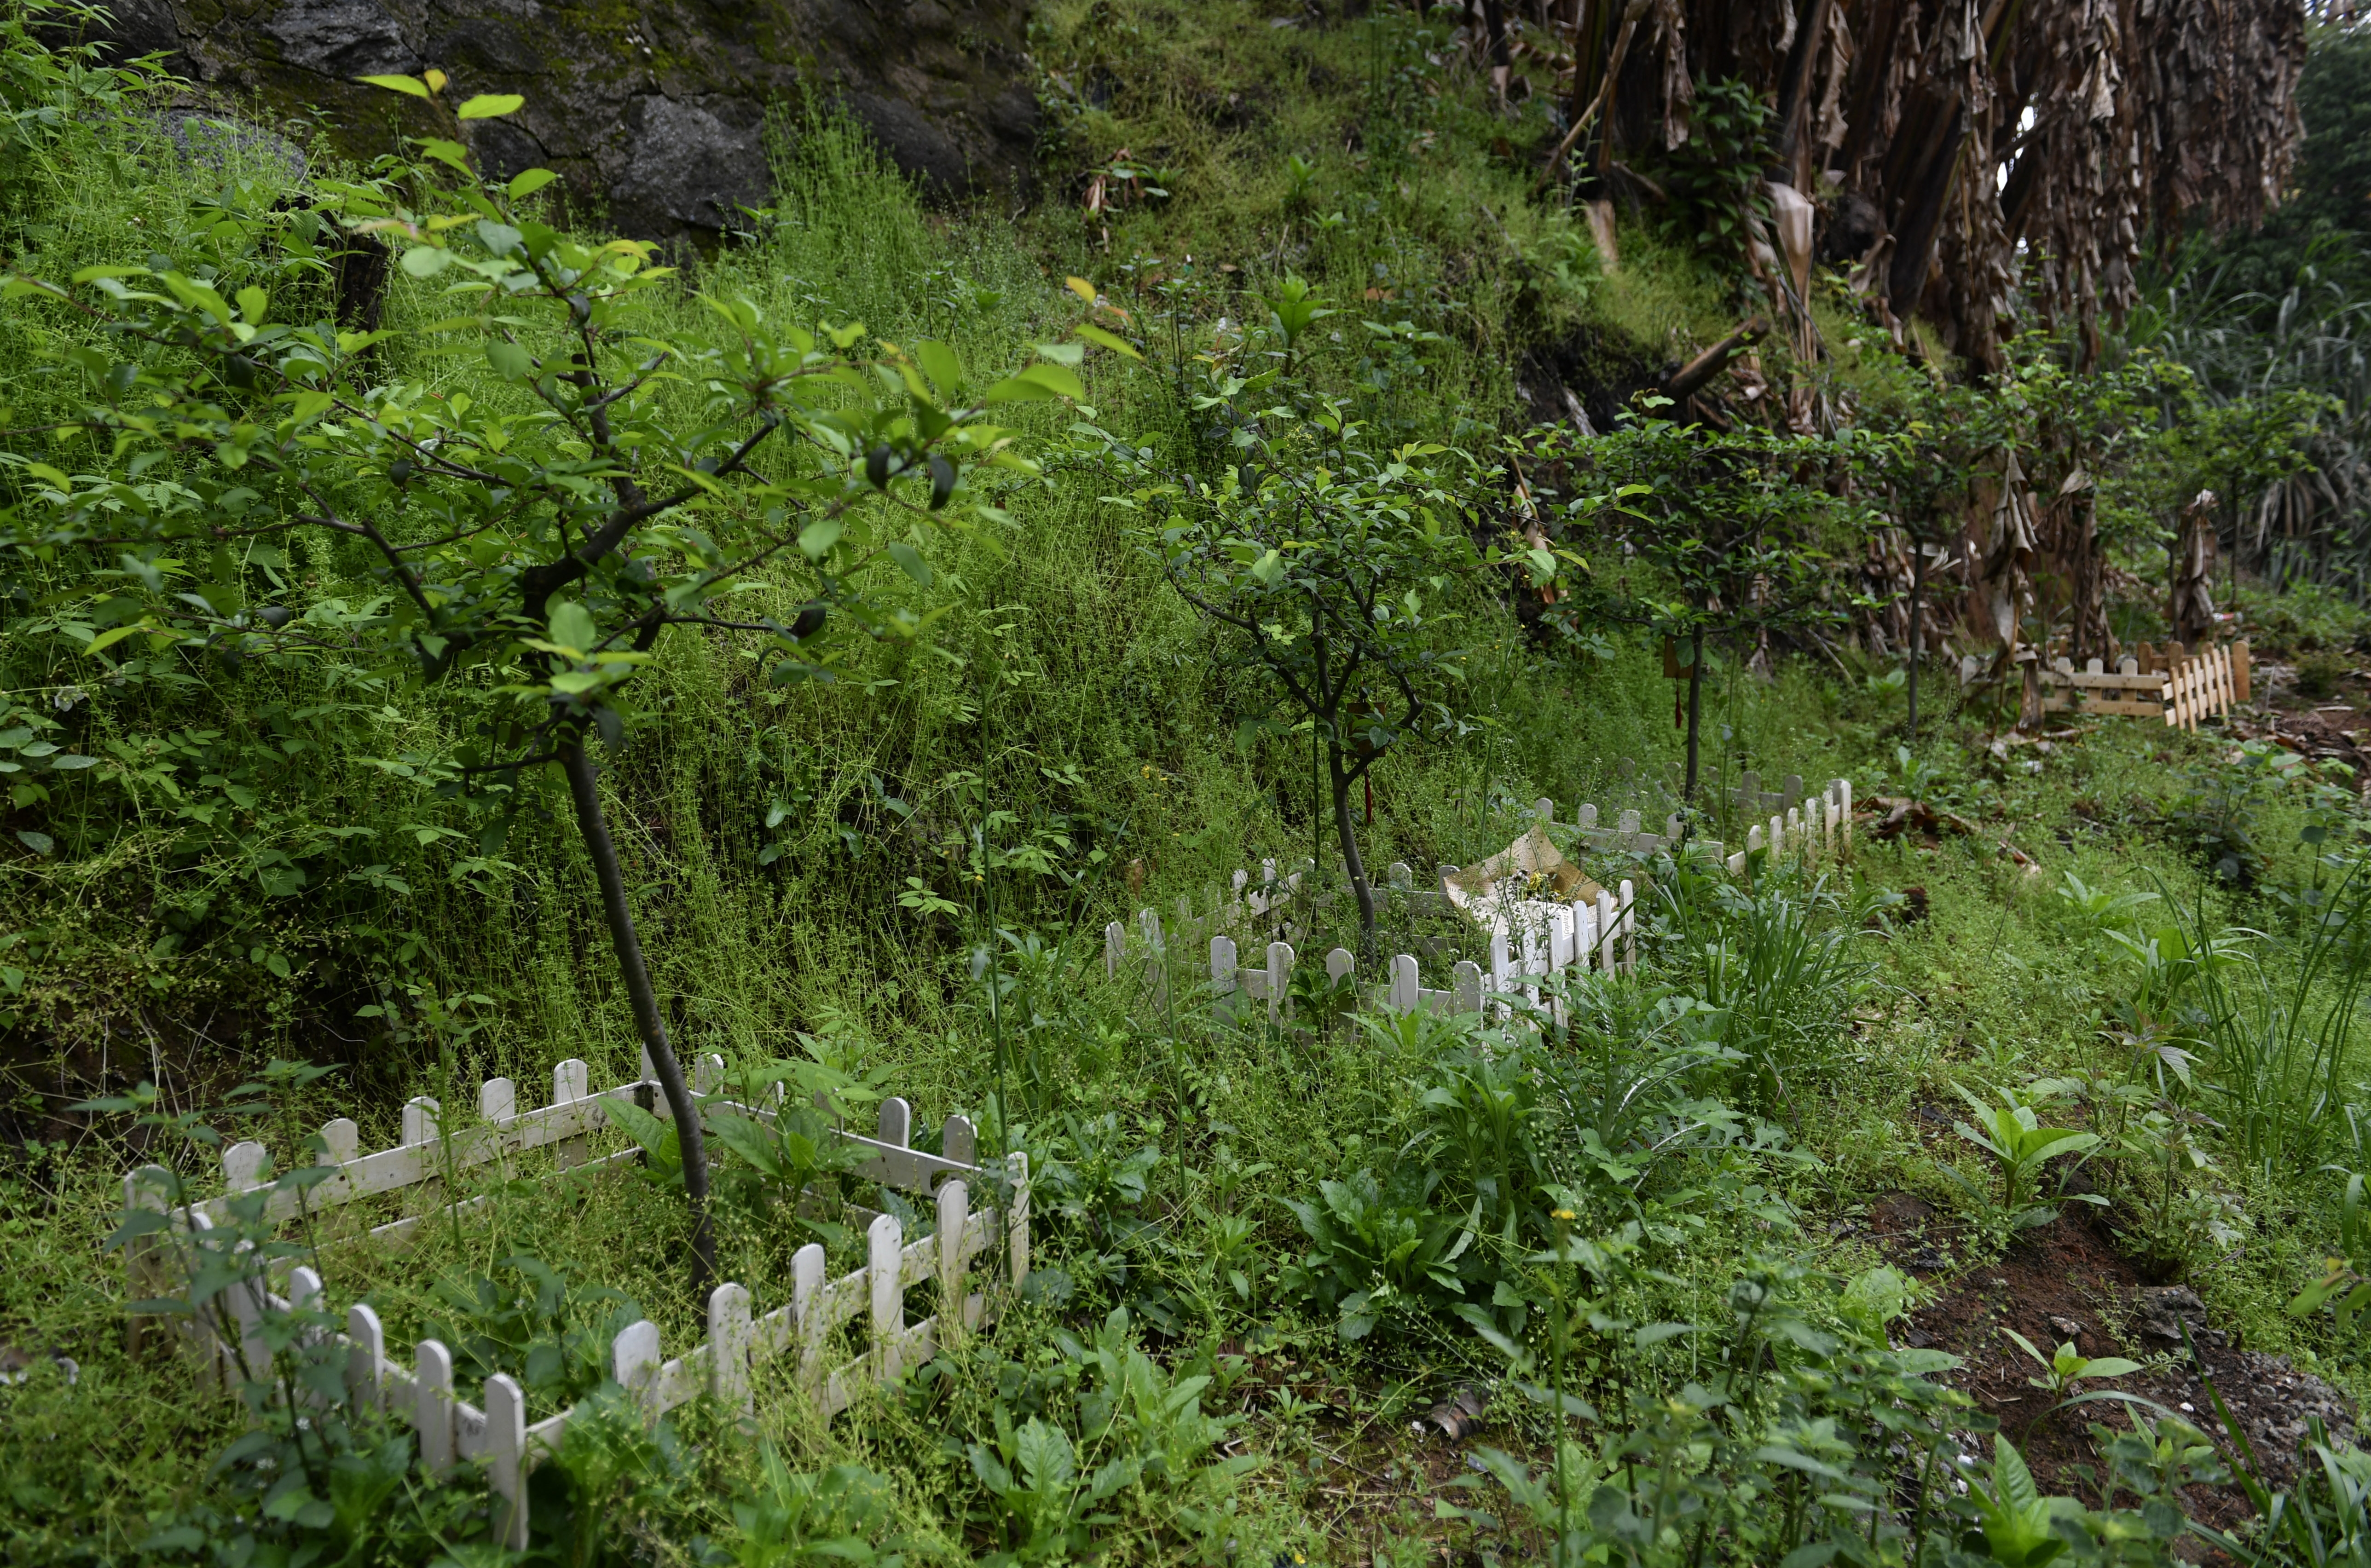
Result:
{"points": [[870, 714]]}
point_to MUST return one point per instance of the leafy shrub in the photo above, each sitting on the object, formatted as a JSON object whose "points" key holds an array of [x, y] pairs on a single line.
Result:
{"points": [[1716, 176], [1809, 1443], [787, 1519], [1635, 1081], [2218, 817], [1141, 1446], [613, 1475], [1378, 1248], [1776, 962], [534, 1322], [2319, 671], [2021, 1147]]}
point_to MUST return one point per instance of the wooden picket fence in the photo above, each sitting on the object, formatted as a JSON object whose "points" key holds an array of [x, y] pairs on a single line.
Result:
{"points": [[494, 1430], [2177, 688], [1530, 938]]}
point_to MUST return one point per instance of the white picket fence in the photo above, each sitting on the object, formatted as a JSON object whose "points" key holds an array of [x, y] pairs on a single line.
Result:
{"points": [[1530, 939], [494, 1430], [1811, 830]]}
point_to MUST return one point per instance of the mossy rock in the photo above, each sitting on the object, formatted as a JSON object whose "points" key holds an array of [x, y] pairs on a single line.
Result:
{"points": [[655, 114]]}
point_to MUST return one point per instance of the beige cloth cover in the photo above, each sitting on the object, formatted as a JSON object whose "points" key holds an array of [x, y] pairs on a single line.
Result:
{"points": [[1527, 861]]}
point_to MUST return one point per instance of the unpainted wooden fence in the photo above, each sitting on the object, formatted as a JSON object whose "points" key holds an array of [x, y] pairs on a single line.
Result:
{"points": [[2175, 687], [495, 1429]]}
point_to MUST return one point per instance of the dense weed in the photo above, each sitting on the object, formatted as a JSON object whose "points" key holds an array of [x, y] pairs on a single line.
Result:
{"points": [[1609, 1204]]}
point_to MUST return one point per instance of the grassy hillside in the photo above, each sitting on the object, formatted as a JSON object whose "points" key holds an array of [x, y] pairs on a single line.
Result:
{"points": [[257, 869]]}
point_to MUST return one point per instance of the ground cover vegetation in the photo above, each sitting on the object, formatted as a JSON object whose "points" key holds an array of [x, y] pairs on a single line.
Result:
{"points": [[797, 656]]}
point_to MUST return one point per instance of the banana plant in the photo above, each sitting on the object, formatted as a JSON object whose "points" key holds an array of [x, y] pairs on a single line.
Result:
{"points": [[2013, 1135]]}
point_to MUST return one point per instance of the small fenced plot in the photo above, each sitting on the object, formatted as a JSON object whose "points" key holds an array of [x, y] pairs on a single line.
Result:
{"points": [[495, 1429], [1529, 937]]}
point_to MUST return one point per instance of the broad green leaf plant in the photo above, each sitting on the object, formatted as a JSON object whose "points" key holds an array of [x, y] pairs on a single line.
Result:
{"points": [[2020, 1146], [607, 485]]}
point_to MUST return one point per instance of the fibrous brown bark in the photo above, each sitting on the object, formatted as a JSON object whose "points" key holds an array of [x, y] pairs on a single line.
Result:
{"points": [[1984, 134], [2191, 611]]}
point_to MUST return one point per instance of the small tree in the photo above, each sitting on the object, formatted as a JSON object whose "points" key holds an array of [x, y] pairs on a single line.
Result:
{"points": [[607, 481], [1737, 529], [1333, 570]]}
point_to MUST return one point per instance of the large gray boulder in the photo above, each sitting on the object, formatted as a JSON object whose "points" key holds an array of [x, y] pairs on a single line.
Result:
{"points": [[655, 114]]}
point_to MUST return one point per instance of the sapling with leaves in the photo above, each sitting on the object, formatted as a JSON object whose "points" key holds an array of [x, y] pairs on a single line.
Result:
{"points": [[1330, 568], [1296, 307], [1737, 530], [2020, 1146], [536, 536], [2063, 1367]]}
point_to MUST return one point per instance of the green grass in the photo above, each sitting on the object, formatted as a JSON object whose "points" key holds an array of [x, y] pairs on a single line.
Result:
{"points": [[1073, 688]]}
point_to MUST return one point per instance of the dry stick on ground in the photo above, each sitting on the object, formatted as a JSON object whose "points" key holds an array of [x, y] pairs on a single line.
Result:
{"points": [[1692, 377]]}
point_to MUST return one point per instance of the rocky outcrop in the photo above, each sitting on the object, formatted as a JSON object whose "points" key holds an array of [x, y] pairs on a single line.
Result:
{"points": [[653, 113]]}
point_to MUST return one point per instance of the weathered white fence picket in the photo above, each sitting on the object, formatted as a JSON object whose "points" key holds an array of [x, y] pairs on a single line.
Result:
{"points": [[451, 1430], [1824, 834]]}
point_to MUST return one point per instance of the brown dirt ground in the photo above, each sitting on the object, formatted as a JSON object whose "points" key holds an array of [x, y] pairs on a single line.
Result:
{"points": [[2067, 1282]]}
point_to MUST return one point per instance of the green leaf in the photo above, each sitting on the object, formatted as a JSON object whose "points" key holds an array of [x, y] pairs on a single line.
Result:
{"points": [[1112, 340], [910, 561], [39, 843], [571, 627], [1038, 381], [490, 106], [940, 364], [527, 182], [2015, 1482], [426, 260], [107, 639], [512, 363], [2108, 1366], [2027, 1345], [451, 154], [817, 537], [1014, 389], [410, 86], [751, 1142], [654, 1134]]}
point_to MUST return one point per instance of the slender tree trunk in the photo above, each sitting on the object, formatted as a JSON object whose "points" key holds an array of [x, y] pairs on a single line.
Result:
{"points": [[1695, 704], [1918, 645], [594, 826], [1346, 832], [1494, 24]]}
